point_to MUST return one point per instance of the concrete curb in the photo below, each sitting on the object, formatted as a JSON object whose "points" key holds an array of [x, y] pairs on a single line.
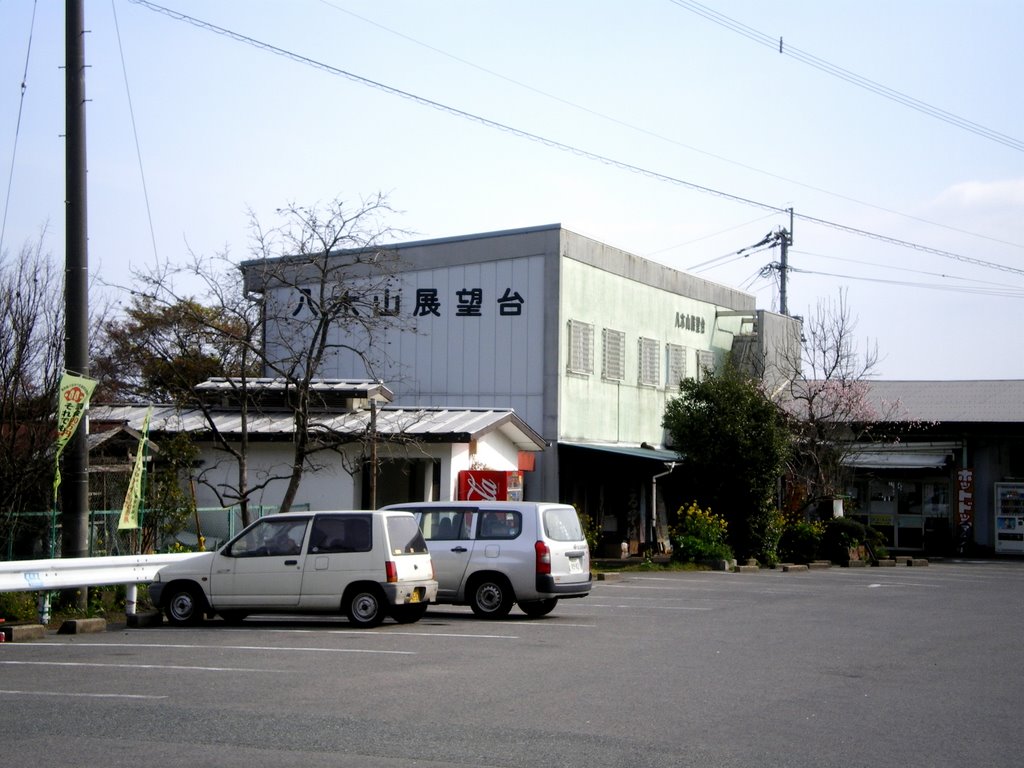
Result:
{"points": [[20, 633], [143, 620], [82, 626]]}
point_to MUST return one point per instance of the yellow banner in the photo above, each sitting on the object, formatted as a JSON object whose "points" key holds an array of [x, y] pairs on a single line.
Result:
{"points": [[130, 511], [72, 400]]}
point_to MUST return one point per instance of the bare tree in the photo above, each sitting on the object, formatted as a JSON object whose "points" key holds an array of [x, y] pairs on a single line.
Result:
{"points": [[31, 354], [31, 361], [831, 413], [321, 279], [328, 286], [186, 324]]}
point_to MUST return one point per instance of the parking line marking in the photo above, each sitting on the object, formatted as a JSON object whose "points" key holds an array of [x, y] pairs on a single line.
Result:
{"points": [[82, 695], [653, 607], [423, 634], [176, 667], [184, 646]]}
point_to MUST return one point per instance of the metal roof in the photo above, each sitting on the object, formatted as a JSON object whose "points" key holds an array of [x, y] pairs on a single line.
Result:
{"points": [[331, 394], [1000, 401], [457, 425], [636, 451]]}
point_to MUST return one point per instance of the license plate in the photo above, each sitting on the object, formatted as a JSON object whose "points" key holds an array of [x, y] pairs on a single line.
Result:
{"points": [[415, 596], [575, 565]]}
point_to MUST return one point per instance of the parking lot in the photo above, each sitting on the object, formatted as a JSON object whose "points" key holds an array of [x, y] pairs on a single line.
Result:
{"points": [[843, 667]]}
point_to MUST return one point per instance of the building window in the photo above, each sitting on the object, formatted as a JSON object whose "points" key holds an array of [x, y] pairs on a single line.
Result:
{"points": [[705, 364], [581, 347], [675, 364], [613, 362], [650, 369]]}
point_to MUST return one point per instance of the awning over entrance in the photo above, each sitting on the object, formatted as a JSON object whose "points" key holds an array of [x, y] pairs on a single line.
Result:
{"points": [[655, 454], [904, 457]]}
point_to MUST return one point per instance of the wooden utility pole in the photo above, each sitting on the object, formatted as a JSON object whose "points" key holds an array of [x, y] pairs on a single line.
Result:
{"points": [[785, 240], [75, 482]]}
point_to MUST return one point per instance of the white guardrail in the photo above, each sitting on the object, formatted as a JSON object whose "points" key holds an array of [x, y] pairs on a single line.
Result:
{"points": [[77, 572], [71, 572]]}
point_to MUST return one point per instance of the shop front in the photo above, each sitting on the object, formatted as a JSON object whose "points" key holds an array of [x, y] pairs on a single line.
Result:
{"points": [[905, 494]]}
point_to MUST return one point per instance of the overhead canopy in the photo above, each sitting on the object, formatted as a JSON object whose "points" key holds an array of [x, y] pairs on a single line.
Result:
{"points": [[638, 452], [896, 458]]}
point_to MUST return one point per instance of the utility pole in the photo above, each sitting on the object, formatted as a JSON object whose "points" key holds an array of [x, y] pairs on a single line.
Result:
{"points": [[75, 484], [785, 240]]}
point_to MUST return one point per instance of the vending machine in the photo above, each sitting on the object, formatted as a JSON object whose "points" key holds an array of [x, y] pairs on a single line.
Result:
{"points": [[490, 485], [1010, 517]]}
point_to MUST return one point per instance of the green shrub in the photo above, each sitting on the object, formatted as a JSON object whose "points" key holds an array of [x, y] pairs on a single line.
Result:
{"points": [[590, 530], [699, 535], [840, 534], [801, 542], [18, 606]]}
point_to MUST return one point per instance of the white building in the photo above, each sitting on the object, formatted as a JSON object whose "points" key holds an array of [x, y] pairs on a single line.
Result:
{"points": [[584, 341], [418, 452]]}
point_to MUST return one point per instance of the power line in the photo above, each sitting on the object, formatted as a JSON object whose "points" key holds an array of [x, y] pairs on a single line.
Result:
{"points": [[851, 77], [135, 132], [942, 275], [661, 137], [238, 37], [1013, 293], [17, 127]]}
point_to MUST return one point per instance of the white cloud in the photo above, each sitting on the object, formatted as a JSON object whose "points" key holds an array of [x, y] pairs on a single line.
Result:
{"points": [[984, 194]]}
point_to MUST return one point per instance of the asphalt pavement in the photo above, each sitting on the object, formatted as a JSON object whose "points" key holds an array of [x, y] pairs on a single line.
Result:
{"points": [[912, 666]]}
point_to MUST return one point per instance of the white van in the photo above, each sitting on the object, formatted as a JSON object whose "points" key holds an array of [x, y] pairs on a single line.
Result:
{"points": [[365, 564], [491, 554]]}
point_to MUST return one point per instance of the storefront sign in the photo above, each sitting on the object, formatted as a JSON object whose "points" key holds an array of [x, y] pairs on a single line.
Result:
{"points": [[465, 302], [965, 507], [687, 322]]}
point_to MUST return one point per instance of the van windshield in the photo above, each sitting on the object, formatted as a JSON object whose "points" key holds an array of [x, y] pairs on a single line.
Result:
{"points": [[562, 524], [405, 536]]}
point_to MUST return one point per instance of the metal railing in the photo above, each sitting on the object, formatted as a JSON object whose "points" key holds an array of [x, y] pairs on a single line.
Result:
{"points": [[211, 525]]}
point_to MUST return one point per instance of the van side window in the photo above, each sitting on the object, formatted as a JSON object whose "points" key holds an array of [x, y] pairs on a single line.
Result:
{"points": [[499, 524], [349, 533], [444, 525]]}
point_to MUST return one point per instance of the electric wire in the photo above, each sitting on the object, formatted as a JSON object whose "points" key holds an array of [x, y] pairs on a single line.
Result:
{"points": [[675, 142], [1005, 292], [554, 144], [135, 131], [943, 275], [17, 127], [851, 77], [709, 236]]}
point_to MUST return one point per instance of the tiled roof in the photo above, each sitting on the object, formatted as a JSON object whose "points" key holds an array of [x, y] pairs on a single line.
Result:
{"points": [[426, 424], [978, 401]]}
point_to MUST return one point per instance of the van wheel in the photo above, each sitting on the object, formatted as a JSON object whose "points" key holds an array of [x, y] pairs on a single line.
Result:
{"points": [[408, 614], [491, 597], [184, 605], [365, 607], [537, 608]]}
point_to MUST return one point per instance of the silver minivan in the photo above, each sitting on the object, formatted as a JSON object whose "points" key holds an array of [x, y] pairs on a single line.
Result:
{"points": [[364, 564], [493, 554]]}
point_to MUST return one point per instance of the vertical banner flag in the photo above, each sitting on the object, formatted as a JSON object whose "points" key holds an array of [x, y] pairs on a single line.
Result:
{"points": [[72, 401], [130, 511]]}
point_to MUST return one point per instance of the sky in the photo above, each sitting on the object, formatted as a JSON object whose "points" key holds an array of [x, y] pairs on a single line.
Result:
{"points": [[671, 129]]}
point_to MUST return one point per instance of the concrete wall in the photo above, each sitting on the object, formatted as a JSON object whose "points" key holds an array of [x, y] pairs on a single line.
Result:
{"points": [[331, 486]]}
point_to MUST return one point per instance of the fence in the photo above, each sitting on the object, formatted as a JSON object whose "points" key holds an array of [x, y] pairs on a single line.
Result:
{"points": [[27, 535]]}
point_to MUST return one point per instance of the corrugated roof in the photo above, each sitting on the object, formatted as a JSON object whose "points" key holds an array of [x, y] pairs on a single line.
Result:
{"points": [[428, 424], [636, 451], [1000, 401]]}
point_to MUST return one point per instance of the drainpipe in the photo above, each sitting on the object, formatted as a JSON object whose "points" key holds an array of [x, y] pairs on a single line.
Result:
{"points": [[671, 465]]}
